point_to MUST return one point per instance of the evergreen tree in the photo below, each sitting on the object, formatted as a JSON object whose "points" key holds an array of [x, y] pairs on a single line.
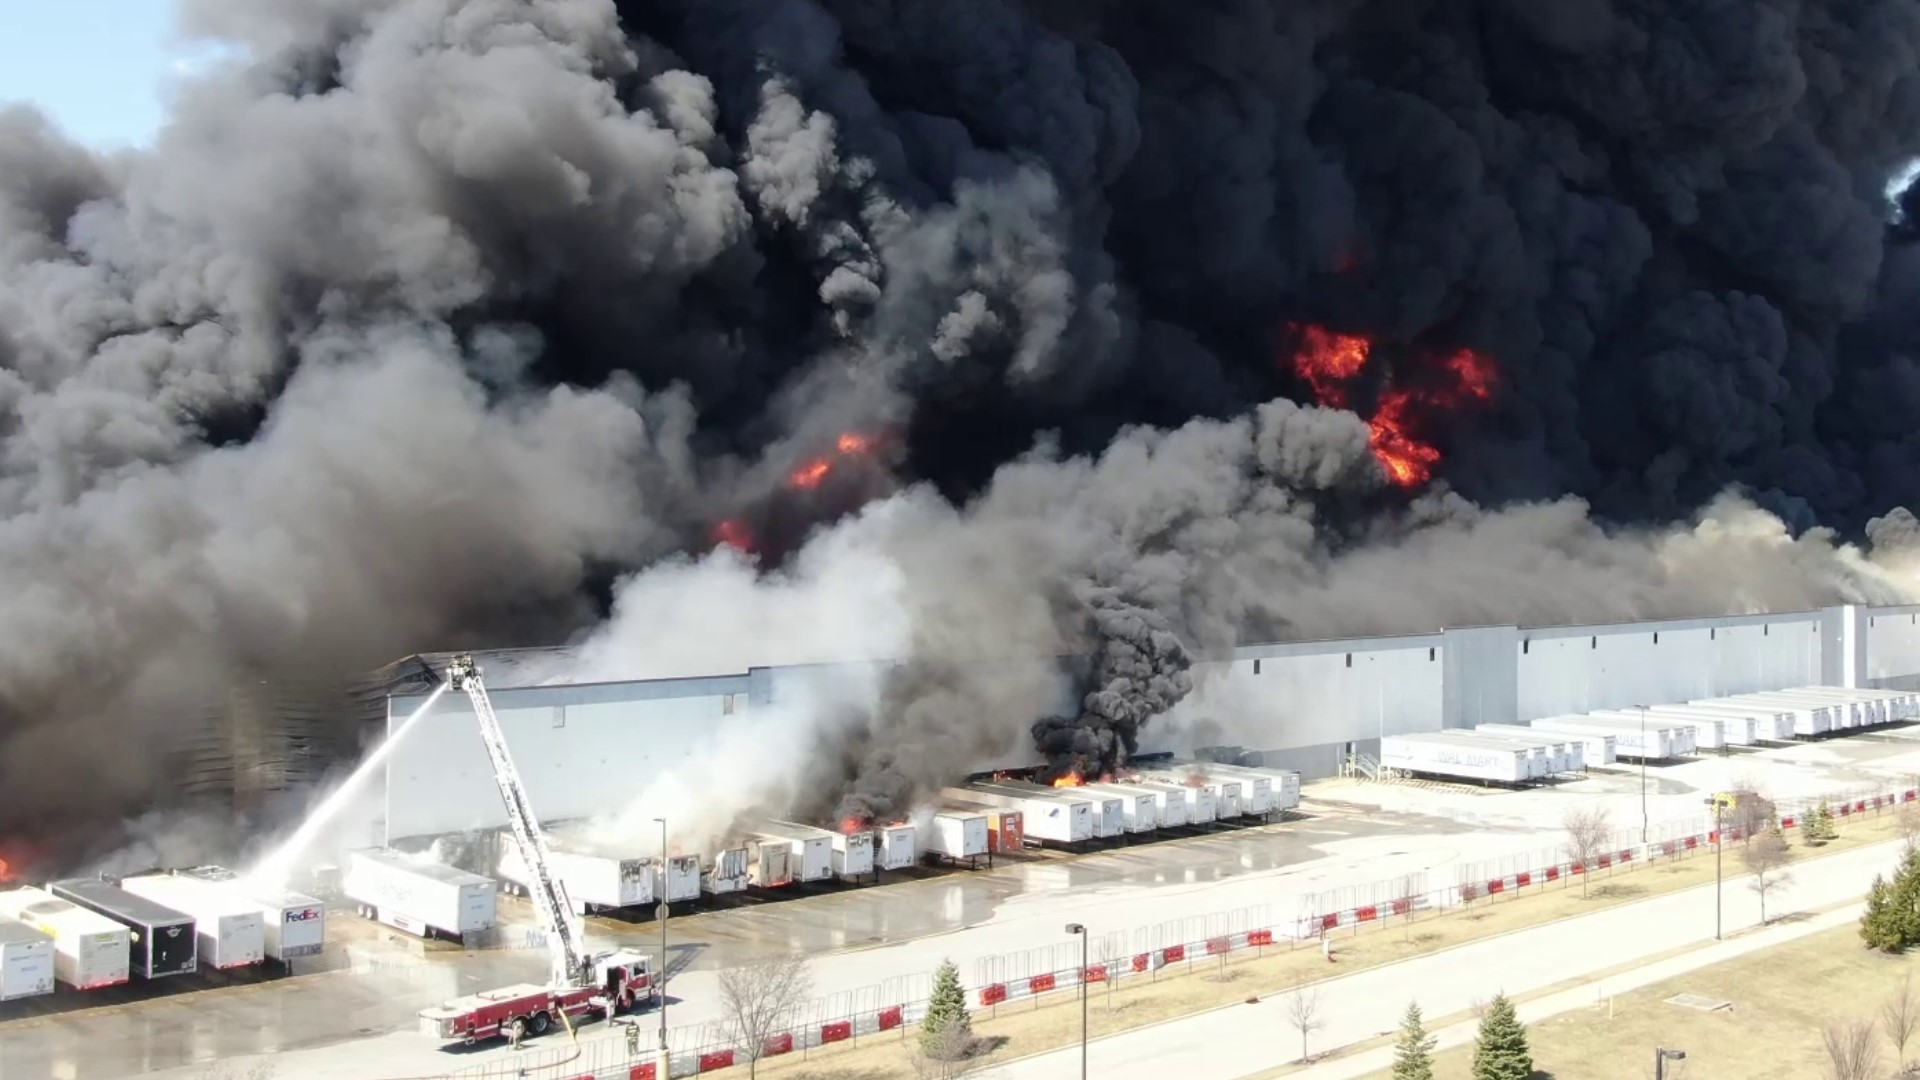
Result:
{"points": [[1877, 925], [1892, 919], [947, 1030], [1500, 1052], [1413, 1054], [1820, 827]]}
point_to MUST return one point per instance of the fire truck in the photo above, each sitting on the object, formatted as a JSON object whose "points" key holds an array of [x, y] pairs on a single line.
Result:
{"points": [[603, 984]]}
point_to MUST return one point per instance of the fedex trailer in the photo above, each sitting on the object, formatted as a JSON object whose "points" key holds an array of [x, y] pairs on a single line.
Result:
{"points": [[295, 924]]}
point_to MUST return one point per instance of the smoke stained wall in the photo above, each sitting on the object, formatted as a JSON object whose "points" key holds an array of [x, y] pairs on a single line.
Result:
{"points": [[965, 332]]}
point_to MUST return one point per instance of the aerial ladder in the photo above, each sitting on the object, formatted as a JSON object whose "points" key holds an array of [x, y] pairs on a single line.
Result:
{"points": [[580, 983], [548, 893]]}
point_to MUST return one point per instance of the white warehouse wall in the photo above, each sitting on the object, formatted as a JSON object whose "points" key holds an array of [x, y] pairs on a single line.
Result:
{"points": [[1299, 705], [1296, 705], [1892, 650], [579, 749], [1573, 669]]}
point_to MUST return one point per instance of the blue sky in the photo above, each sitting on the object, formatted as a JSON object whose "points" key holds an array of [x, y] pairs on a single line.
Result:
{"points": [[98, 66]]}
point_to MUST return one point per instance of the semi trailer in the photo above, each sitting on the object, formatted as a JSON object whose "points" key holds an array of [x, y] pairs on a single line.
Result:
{"points": [[26, 961], [162, 941], [425, 899], [90, 951]]}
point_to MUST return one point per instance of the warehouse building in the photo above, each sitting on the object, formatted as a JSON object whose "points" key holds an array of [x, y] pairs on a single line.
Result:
{"points": [[1308, 706]]}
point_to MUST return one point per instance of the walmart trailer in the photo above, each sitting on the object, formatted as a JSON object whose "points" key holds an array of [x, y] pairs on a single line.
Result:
{"points": [[426, 899], [26, 961], [1432, 755]]}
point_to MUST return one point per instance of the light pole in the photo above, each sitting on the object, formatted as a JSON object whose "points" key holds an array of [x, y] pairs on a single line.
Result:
{"points": [[1719, 840], [661, 912], [1643, 775], [1076, 928], [1660, 1059]]}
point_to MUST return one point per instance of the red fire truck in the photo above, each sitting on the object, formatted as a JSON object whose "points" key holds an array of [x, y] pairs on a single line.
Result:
{"points": [[605, 983], [623, 980]]}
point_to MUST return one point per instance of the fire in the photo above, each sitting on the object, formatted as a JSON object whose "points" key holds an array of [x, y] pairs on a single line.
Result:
{"points": [[1072, 779], [851, 825], [814, 471], [733, 534], [808, 476], [1328, 361], [1408, 461], [6, 872]]}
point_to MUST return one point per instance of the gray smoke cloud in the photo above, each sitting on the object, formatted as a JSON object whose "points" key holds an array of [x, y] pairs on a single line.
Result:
{"points": [[424, 322]]}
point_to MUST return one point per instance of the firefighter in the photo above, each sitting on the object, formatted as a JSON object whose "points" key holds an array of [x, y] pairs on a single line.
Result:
{"points": [[633, 1038]]}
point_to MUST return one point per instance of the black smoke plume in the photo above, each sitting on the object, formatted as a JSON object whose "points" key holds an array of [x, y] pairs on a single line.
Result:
{"points": [[423, 322]]}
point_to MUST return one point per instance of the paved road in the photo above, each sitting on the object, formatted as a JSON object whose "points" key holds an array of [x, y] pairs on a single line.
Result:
{"points": [[1242, 1040], [1589, 995], [319, 1022]]}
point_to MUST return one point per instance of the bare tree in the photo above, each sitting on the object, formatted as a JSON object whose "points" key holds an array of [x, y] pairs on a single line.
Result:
{"points": [[1303, 1012], [1752, 813], [1766, 857], [1907, 818], [1899, 1016], [760, 1001], [1587, 833], [1851, 1054], [943, 1055]]}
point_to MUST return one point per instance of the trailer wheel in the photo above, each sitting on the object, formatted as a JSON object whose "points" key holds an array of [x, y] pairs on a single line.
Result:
{"points": [[541, 1022]]}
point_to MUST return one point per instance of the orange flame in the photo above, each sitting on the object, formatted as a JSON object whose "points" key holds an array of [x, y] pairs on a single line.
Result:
{"points": [[1072, 779], [851, 825], [6, 872], [814, 471], [1328, 361], [808, 476], [733, 534]]}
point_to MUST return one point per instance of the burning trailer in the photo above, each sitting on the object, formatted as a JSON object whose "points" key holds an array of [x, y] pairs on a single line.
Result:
{"points": [[1046, 817], [295, 924], [232, 932], [26, 961], [897, 846], [730, 871], [1226, 795], [1139, 810], [600, 876], [421, 898], [957, 834], [810, 850], [852, 851], [164, 941], [1198, 800], [90, 951]]}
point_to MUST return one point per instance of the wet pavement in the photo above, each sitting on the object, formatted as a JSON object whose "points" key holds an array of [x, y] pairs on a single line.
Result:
{"points": [[872, 942], [860, 936]]}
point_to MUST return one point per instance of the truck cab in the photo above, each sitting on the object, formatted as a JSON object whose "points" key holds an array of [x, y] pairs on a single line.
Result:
{"points": [[625, 976]]}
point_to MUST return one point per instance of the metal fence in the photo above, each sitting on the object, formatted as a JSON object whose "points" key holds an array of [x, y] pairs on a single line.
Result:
{"points": [[900, 1002]]}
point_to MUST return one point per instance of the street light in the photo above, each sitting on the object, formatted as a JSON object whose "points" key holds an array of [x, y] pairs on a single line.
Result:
{"points": [[1719, 804], [1643, 775], [1076, 928], [1660, 1059], [661, 912]]}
